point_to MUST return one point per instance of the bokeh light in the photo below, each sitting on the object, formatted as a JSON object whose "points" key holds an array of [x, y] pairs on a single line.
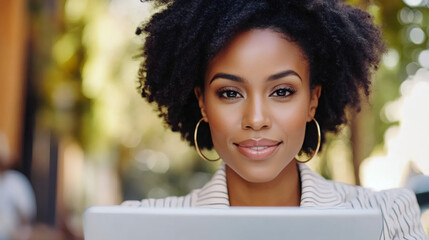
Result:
{"points": [[414, 3], [424, 58], [417, 35], [391, 59]]}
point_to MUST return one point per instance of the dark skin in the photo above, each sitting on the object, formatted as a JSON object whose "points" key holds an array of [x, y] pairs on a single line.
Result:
{"points": [[243, 193], [257, 100]]}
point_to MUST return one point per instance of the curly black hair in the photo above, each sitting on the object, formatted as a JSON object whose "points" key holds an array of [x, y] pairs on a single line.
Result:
{"points": [[341, 43]]}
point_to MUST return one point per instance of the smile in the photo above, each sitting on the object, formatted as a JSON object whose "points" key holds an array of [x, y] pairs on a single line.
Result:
{"points": [[257, 149]]}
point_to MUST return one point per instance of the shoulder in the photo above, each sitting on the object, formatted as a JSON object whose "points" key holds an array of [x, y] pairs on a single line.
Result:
{"points": [[400, 199], [15, 177], [213, 194], [401, 213], [399, 208], [19, 192], [172, 201], [17, 184]]}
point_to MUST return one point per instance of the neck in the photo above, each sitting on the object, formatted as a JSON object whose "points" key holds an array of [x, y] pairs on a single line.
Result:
{"points": [[284, 190]]}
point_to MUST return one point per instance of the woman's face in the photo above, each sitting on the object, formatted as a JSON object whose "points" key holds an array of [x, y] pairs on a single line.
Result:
{"points": [[257, 101]]}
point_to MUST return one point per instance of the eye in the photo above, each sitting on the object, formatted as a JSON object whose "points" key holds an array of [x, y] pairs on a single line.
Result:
{"points": [[228, 94], [282, 92]]}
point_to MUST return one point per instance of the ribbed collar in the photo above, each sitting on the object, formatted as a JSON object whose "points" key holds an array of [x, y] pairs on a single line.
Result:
{"points": [[315, 190]]}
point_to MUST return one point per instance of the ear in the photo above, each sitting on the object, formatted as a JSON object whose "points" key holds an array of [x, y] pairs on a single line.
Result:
{"points": [[200, 97], [314, 102]]}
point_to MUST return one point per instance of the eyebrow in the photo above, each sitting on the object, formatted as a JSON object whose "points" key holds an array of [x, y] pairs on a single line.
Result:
{"points": [[284, 74], [227, 76], [271, 78]]}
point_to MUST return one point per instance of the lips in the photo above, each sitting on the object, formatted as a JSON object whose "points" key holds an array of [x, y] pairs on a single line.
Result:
{"points": [[258, 149]]}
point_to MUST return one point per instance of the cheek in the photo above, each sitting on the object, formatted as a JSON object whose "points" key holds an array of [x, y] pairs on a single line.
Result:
{"points": [[290, 121], [293, 113], [223, 120]]}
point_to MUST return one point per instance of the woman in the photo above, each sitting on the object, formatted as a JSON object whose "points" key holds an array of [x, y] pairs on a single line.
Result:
{"points": [[261, 82]]}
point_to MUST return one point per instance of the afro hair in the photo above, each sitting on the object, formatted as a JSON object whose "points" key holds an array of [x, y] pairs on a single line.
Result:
{"points": [[341, 43]]}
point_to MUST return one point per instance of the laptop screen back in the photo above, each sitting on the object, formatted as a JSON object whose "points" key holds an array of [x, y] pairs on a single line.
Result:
{"points": [[119, 222]]}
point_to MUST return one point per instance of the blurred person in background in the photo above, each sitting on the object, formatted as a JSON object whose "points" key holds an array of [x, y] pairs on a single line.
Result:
{"points": [[17, 201]]}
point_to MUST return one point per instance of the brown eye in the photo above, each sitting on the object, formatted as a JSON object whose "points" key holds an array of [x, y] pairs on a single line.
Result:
{"points": [[282, 92], [229, 94]]}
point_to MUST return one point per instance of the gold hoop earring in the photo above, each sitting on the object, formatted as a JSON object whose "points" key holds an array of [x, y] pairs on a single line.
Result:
{"points": [[319, 139], [196, 144]]}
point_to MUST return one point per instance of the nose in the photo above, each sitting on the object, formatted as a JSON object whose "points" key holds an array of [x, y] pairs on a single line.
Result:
{"points": [[255, 115]]}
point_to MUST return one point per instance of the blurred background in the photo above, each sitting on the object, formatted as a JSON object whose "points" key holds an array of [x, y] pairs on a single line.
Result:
{"points": [[75, 132]]}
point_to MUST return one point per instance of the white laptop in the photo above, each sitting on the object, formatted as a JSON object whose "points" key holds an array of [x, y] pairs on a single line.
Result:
{"points": [[120, 222]]}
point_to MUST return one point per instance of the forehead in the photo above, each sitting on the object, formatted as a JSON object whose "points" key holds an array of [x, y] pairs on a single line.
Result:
{"points": [[259, 49]]}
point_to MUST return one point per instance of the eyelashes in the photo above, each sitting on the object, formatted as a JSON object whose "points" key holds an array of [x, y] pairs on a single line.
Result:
{"points": [[282, 92], [228, 93], [233, 93]]}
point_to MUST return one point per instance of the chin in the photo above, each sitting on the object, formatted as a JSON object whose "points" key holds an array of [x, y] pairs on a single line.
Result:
{"points": [[259, 175]]}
